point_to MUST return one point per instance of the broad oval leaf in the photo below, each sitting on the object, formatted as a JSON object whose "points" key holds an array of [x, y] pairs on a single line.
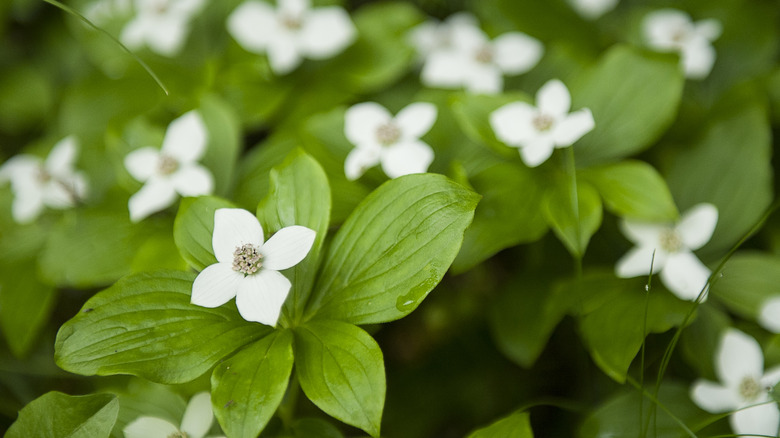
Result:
{"points": [[58, 415], [473, 115], [248, 387], [393, 249], [224, 142], [341, 370], [193, 229], [748, 279], [574, 228], [144, 325], [515, 425]]}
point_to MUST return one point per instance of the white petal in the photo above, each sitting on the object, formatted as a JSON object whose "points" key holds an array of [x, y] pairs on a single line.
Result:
{"points": [[661, 27], [149, 427], [142, 163], [261, 296], [193, 180], [134, 33], [536, 151], [57, 195], [759, 420], [156, 195], [684, 275], [697, 225], [709, 29], [62, 157], [287, 247], [359, 160], [572, 127], [293, 8], [771, 377], [738, 356], [513, 123], [516, 52], [468, 38], [593, 9], [215, 285], [234, 227], [406, 158], [416, 119], [22, 167], [444, 69], [643, 233], [425, 37], [714, 398], [361, 122], [167, 35], [186, 138], [553, 99], [326, 32], [27, 206], [283, 54], [637, 262], [769, 314], [697, 60], [253, 25], [483, 78], [198, 416]]}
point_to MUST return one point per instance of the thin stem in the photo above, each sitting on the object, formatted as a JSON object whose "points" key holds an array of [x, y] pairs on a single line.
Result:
{"points": [[657, 403], [648, 285], [571, 171]]}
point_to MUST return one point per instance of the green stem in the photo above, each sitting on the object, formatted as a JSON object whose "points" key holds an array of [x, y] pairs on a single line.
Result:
{"points": [[648, 286], [570, 169], [286, 411]]}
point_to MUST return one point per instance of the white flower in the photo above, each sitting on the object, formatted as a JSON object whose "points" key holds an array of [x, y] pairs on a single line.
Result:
{"points": [[162, 25], [171, 170], [195, 424], [392, 141], [740, 367], [40, 183], [477, 63], [593, 9], [434, 35], [248, 268], [670, 30], [538, 130], [291, 32], [769, 314], [680, 270], [101, 10]]}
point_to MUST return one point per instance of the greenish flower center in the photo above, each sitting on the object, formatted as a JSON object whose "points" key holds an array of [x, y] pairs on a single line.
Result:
{"points": [[670, 241], [247, 259], [388, 133], [543, 122], [291, 21], [749, 389], [167, 165]]}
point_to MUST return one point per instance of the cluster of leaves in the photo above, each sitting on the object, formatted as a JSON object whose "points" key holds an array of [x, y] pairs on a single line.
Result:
{"points": [[527, 324]]}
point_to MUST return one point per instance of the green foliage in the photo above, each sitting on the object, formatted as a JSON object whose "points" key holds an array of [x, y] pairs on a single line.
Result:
{"points": [[57, 415], [748, 279], [574, 216], [516, 425], [193, 228]]}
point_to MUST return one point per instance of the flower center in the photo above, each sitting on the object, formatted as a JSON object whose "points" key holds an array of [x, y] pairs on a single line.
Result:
{"points": [[484, 54], [749, 388], [167, 165], [161, 6], [543, 122], [291, 22], [388, 133], [247, 259], [670, 241], [42, 175]]}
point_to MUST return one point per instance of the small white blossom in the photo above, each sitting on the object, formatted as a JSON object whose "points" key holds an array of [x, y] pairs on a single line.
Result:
{"points": [[195, 424], [540, 129], [248, 267], [100, 11], [740, 367], [172, 169], [435, 35], [681, 271], [393, 142], [162, 25], [593, 9], [670, 30], [769, 314], [477, 63], [40, 183], [291, 32]]}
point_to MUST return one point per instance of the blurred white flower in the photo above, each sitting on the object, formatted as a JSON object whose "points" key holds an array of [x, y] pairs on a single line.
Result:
{"points": [[540, 129], [172, 169], [393, 142], [475, 62], [680, 270], [434, 35], [100, 11], [291, 32], [195, 424], [162, 25], [769, 314], [740, 368], [40, 183], [248, 268], [670, 30], [593, 9]]}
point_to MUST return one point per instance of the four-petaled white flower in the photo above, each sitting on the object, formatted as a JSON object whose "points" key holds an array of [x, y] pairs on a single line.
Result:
{"points": [[435, 35], [681, 271], [670, 30], [392, 141], [740, 367], [162, 25], [475, 62], [593, 9], [769, 314], [40, 183], [538, 130], [291, 32], [195, 424], [172, 169], [248, 268]]}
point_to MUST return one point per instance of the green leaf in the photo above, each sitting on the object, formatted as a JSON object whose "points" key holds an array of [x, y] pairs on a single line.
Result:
{"points": [[341, 370], [299, 195], [633, 96], [515, 425], [633, 189], [144, 398], [393, 249], [193, 228], [748, 279], [574, 231], [472, 112], [248, 387], [144, 325], [509, 213], [254, 167], [224, 143], [701, 339], [315, 428], [55, 415], [25, 305]]}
